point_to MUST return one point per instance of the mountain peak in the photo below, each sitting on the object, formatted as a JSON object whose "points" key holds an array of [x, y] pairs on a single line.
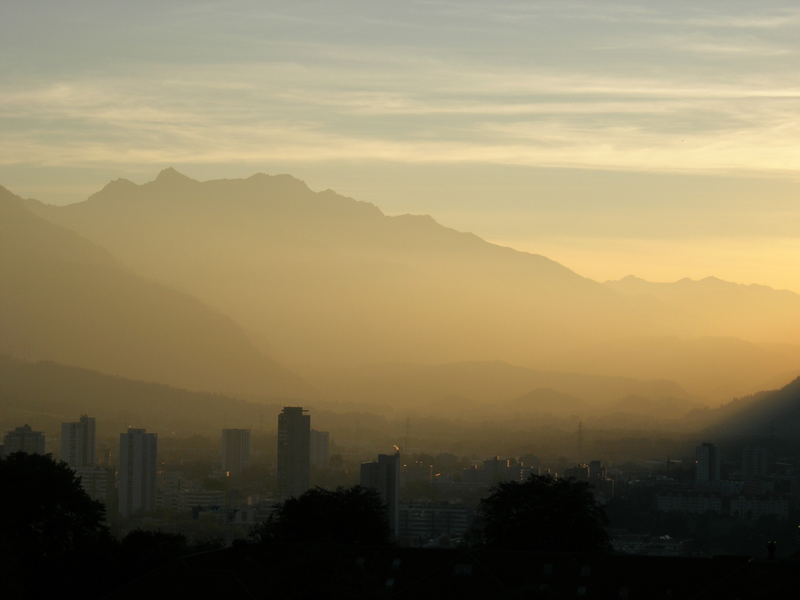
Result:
{"points": [[170, 175], [117, 184]]}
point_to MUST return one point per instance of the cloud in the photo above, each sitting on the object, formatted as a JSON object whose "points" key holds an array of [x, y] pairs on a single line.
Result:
{"points": [[698, 100]]}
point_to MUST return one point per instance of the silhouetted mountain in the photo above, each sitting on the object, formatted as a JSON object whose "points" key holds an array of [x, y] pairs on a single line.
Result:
{"points": [[458, 390], [664, 403], [48, 394], [325, 279], [322, 280], [716, 368], [769, 413], [65, 299], [718, 308]]}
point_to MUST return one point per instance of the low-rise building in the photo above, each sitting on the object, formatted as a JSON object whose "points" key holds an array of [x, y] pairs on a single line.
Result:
{"points": [[424, 521]]}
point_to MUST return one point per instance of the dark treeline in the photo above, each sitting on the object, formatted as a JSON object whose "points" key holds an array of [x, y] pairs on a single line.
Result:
{"points": [[538, 538], [50, 526]]}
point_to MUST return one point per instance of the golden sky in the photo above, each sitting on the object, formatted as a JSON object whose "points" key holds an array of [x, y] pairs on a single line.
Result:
{"points": [[659, 139]]}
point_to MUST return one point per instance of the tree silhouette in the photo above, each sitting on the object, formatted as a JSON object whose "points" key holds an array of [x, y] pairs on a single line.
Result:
{"points": [[541, 514], [47, 523], [353, 515], [43, 508]]}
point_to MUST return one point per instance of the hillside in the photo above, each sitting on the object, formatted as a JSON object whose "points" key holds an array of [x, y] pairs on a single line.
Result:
{"points": [[326, 279], [773, 413], [320, 280], [492, 390], [65, 299], [47, 394]]}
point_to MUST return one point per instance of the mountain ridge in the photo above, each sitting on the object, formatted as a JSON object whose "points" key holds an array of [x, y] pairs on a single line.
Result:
{"points": [[766, 414], [67, 299], [49, 393], [318, 278]]}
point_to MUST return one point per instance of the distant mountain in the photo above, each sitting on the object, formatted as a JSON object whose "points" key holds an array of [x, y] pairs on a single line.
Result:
{"points": [[774, 413], [716, 368], [47, 394], [65, 299], [548, 401], [322, 280], [493, 389], [718, 308]]}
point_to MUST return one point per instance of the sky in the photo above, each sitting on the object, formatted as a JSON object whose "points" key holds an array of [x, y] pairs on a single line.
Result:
{"points": [[649, 138]]}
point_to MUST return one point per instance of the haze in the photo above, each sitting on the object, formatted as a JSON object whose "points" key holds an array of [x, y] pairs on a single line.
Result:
{"points": [[616, 138], [429, 298], [588, 207]]}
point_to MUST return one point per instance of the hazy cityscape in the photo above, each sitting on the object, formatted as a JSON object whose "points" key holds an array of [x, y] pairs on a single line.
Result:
{"points": [[216, 491], [425, 299]]}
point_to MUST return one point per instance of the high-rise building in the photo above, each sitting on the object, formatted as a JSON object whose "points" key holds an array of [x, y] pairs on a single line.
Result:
{"points": [[235, 451], [137, 471], [383, 476], [706, 464], [97, 482], [294, 445], [320, 448], [23, 439], [77, 442]]}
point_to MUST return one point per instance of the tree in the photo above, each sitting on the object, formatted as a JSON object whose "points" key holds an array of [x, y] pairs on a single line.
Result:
{"points": [[353, 515], [541, 514], [47, 524], [142, 551], [43, 508]]}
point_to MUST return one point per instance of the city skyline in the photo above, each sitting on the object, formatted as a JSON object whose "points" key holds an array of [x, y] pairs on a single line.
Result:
{"points": [[420, 299]]}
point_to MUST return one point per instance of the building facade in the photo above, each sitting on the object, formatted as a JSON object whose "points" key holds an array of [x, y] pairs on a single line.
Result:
{"points": [[424, 522], [294, 449], [97, 482], [137, 471], [383, 476], [706, 466], [235, 451], [23, 439], [320, 448], [78, 442]]}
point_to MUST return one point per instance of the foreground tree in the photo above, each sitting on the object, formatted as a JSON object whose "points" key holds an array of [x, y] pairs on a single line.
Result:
{"points": [[353, 515], [48, 525], [43, 509], [541, 514]]}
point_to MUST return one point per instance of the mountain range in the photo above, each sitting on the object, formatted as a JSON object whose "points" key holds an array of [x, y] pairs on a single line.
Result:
{"points": [[69, 300], [486, 390], [321, 281], [47, 394], [771, 414], [215, 285]]}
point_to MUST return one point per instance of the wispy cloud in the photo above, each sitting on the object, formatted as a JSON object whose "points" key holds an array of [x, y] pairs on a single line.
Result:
{"points": [[502, 83]]}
